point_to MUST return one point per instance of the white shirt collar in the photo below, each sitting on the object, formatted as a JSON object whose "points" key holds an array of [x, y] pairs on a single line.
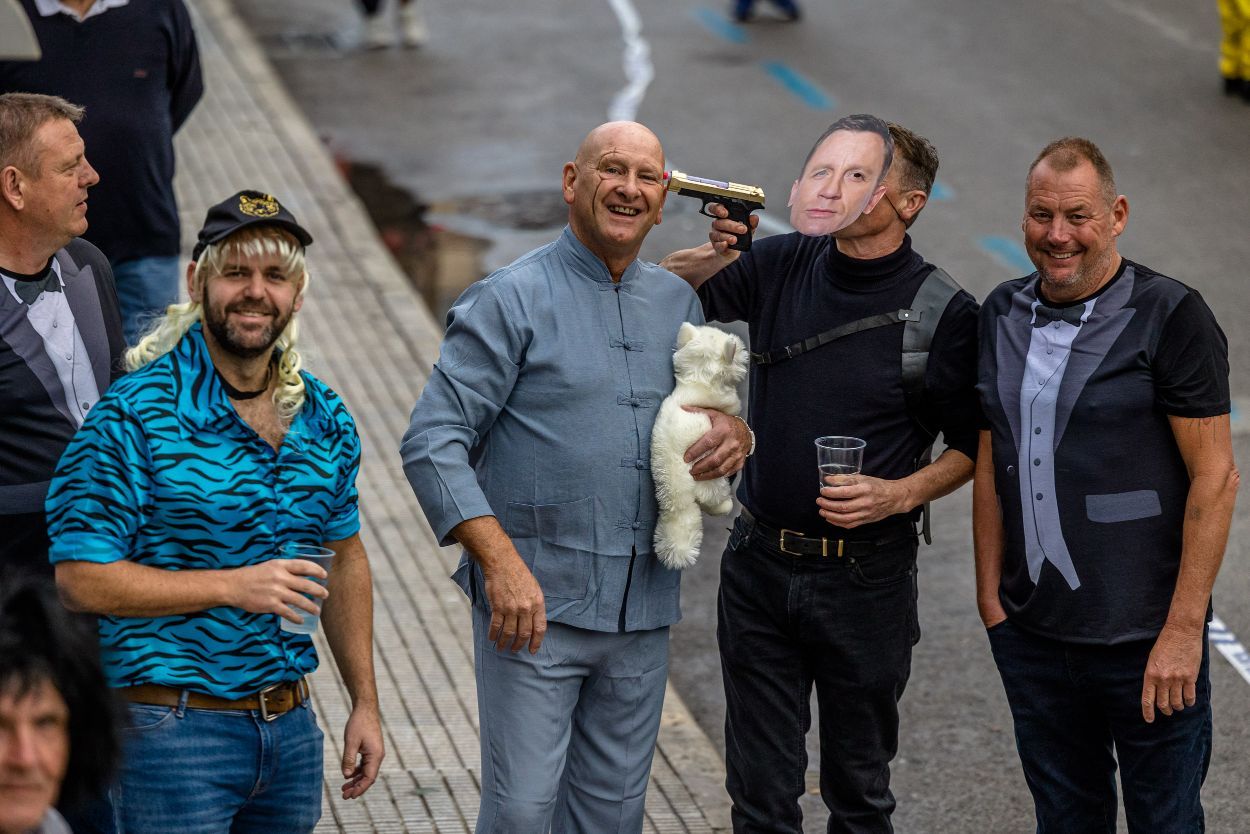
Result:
{"points": [[10, 283], [47, 8]]}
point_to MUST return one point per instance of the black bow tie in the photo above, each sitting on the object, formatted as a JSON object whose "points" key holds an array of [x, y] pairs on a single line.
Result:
{"points": [[1044, 315], [28, 291]]}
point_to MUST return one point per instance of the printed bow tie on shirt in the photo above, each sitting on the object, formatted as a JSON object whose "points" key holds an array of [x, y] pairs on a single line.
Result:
{"points": [[1044, 315], [29, 291]]}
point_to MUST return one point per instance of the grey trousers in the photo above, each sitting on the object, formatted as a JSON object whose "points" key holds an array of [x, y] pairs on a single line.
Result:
{"points": [[568, 734]]}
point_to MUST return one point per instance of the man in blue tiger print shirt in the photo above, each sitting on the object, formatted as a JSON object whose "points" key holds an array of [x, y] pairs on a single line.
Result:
{"points": [[167, 513]]}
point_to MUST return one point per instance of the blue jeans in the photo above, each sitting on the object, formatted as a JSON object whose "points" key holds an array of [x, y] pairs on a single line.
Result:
{"points": [[568, 734], [145, 287], [785, 624], [1077, 712], [193, 771]]}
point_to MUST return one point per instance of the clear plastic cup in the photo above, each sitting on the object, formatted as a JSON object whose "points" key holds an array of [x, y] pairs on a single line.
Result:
{"points": [[838, 455], [324, 557]]}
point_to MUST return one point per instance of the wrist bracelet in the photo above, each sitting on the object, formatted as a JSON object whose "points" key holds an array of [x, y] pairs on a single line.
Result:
{"points": [[750, 434]]}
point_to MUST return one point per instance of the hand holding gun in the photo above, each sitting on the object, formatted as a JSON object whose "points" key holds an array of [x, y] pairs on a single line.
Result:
{"points": [[739, 200]]}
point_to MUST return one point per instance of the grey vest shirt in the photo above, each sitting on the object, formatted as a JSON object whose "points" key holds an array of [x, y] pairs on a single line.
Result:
{"points": [[539, 412]]}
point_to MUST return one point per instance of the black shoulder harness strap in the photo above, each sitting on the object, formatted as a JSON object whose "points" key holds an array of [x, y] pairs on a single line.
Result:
{"points": [[920, 322]]}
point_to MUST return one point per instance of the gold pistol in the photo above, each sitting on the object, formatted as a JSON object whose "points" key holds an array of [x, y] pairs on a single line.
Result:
{"points": [[740, 200]]}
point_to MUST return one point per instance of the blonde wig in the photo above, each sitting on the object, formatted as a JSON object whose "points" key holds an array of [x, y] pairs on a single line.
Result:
{"points": [[246, 244]]}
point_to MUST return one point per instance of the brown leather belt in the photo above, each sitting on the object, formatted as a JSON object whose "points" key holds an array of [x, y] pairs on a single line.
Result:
{"points": [[271, 701]]}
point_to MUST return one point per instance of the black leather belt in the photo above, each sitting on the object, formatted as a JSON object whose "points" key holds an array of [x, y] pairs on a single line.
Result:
{"points": [[795, 544]]}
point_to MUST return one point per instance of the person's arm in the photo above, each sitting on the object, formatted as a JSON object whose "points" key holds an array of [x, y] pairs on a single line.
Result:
{"points": [[477, 369], [518, 609], [1205, 444], [987, 536], [127, 589], [695, 266], [186, 80], [348, 620], [855, 500]]}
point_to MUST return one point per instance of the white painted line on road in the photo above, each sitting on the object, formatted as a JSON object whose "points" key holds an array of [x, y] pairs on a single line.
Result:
{"points": [[638, 74], [1224, 640], [1178, 36], [636, 62]]}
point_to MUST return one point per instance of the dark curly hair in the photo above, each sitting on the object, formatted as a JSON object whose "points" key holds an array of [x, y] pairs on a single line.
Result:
{"points": [[41, 641]]}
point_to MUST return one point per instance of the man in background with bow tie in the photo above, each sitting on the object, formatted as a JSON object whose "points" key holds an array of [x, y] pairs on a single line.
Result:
{"points": [[60, 329], [1103, 495]]}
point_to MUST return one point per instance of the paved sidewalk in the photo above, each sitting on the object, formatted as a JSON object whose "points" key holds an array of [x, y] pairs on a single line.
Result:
{"points": [[368, 334]]}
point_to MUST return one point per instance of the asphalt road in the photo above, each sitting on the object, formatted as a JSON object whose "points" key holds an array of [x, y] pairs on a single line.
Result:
{"points": [[489, 111]]}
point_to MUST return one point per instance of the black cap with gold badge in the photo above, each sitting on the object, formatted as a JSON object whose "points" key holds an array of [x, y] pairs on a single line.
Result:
{"points": [[247, 208]]}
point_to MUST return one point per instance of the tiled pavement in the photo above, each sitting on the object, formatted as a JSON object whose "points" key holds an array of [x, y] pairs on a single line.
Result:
{"points": [[368, 334]]}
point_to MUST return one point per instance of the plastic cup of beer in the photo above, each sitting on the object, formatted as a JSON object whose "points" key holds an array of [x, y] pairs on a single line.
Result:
{"points": [[839, 455], [324, 557]]}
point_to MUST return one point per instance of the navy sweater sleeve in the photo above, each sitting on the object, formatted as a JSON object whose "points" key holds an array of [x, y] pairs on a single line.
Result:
{"points": [[186, 81]]}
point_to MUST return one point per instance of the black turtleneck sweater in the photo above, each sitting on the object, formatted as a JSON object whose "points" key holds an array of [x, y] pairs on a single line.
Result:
{"points": [[790, 287]]}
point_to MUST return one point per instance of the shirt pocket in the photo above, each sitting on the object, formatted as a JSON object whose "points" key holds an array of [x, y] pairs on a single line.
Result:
{"points": [[557, 542], [1123, 506]]}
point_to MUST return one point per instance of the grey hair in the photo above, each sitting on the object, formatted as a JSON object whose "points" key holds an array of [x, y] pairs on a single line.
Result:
{"points": [[1067, 153], [21, 116]]}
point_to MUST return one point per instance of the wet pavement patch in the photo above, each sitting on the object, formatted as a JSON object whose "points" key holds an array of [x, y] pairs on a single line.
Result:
{"points": [[439, 262], [525, 211], [442, 258]]}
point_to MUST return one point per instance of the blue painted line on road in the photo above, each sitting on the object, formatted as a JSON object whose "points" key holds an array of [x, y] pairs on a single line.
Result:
{"points": [[1229, 646], [798, 85], [715, 22], [941, 191], [1007, 252]]}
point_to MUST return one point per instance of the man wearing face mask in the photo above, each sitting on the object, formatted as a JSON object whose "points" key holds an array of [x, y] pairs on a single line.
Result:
{"points": [[819, 586]]}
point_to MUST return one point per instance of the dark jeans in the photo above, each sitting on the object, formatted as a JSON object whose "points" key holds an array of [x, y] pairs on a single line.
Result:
{"points": [[145, 288], [1077, 711], [785, 623]]}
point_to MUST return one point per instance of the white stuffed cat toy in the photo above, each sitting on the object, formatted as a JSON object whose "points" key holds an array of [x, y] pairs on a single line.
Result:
{"points": [[709, 364]]}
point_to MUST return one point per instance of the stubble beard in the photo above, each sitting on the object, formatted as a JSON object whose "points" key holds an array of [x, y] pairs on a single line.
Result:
{"points": [[1083, 281], [230, 339]]}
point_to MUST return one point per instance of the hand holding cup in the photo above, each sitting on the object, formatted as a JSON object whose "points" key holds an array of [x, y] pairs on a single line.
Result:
{"points": [[838, 455]]}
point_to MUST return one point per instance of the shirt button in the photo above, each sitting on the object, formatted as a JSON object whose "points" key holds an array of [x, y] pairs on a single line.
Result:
{"points": [[1037, 430], [636, 525], [69, 357], [1049, 351], [1037, 461], [1038, 496], [86, 406], [1011, 470], [54, 324], [1056, 324]]}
